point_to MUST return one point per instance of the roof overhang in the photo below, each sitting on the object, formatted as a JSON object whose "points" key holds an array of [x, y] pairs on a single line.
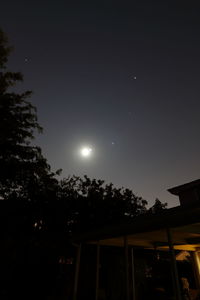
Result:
{"points": [[184, 187], [149, 231]]}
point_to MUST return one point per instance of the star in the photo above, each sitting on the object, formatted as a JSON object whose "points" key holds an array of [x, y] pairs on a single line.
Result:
{"points": [[132, 77]]}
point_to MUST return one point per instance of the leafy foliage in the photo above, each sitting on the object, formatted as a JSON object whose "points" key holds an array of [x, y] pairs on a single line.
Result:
{"points": [[94, 203], [24, 172], [157, 207]]}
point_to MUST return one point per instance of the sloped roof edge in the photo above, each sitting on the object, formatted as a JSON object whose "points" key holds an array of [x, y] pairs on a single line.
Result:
{"points": [[169, 218], [183, 187]]}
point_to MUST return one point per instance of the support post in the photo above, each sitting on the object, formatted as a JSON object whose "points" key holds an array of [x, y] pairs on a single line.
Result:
{"points": [[126, 266], [174, 266], [196, 267], [77, 268], [133, 274], [97, 272]]}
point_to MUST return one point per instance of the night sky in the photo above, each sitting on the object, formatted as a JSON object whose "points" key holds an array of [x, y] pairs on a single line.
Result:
{"points": [[122, 79]]}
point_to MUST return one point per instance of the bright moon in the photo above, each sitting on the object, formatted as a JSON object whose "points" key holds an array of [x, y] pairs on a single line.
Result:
{"points": [[86, 151]]}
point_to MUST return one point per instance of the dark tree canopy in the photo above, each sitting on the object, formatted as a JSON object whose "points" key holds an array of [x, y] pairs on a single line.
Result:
{"points": [[94, 203], [24, 172], [157, 207]]}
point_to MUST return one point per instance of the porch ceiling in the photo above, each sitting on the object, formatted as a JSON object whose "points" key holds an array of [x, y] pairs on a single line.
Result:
{"points": [[149, 231], [184, 238]]}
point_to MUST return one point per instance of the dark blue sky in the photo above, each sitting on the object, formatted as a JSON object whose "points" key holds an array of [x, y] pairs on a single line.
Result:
{"points": [[80, 61]]}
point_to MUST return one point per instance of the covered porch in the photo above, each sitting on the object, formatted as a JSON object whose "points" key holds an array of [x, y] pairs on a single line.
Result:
{"points": [[172, 231]]}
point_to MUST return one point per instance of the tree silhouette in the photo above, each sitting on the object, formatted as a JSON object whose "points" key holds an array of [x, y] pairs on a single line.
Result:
{"points": [[93, 203], [157, 207], [24, 172]]}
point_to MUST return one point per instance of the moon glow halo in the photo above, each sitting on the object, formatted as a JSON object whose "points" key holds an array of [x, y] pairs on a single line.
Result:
{"points": [[86, 152]]}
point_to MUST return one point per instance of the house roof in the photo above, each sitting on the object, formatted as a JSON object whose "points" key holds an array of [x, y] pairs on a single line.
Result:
{"points": [[184, 187], [149, 231]]}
